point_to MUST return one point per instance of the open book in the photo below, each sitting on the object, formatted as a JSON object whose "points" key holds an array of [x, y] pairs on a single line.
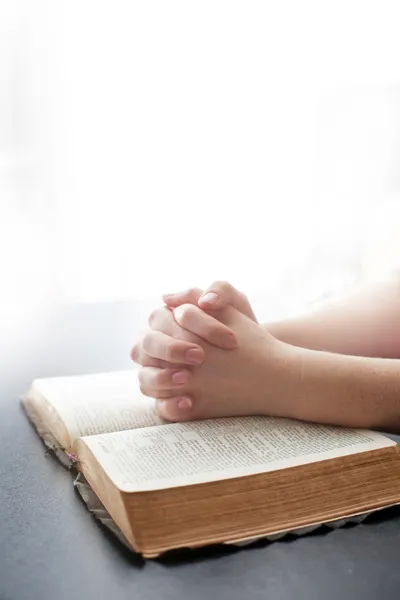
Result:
{"points": [[224, 480]]}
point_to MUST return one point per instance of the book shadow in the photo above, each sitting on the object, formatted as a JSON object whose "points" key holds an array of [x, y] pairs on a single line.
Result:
{"points": [[382, 516], [177, 558], [185, 556]]}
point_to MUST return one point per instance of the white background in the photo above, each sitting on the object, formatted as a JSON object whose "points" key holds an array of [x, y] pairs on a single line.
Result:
{"points": [[146, 146]]}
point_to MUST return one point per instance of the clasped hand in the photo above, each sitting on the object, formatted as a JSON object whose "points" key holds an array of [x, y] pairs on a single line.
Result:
{"points": [[205, 355]]}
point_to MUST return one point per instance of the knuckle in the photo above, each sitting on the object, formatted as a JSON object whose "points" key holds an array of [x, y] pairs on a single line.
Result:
{"points": [[159, 379], [147, 341], [185, 313], [193, 291], [172, 352], [149, 361], [144, 390], [135, 353], [161, 319], [153, 317], [223, 287]]}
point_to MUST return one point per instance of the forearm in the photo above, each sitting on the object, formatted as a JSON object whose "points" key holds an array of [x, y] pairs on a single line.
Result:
{"points": [[340, 390], [365, 323]]}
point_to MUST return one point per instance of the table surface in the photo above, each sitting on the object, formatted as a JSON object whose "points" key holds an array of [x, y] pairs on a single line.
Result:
{"points": [[50, 546]]}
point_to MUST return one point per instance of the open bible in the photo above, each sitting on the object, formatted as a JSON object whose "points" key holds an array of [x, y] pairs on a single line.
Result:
{"points": [[174, 485]]}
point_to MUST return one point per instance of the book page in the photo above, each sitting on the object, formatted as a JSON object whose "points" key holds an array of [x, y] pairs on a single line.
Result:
{"points": [[101, 403], [191, 453]]}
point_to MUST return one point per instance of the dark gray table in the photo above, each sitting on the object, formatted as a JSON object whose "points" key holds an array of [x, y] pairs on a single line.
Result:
{"points": [[50, 547]]}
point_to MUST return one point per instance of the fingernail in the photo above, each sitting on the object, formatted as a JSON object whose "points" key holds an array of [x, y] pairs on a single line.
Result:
{"points": [[209, 298], [184, 403], [180, 377], [168, 296], [194, 356], [230, 341]]}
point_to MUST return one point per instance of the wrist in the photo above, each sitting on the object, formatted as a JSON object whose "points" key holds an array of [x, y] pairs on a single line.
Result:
{"points": [[282, 382]]}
